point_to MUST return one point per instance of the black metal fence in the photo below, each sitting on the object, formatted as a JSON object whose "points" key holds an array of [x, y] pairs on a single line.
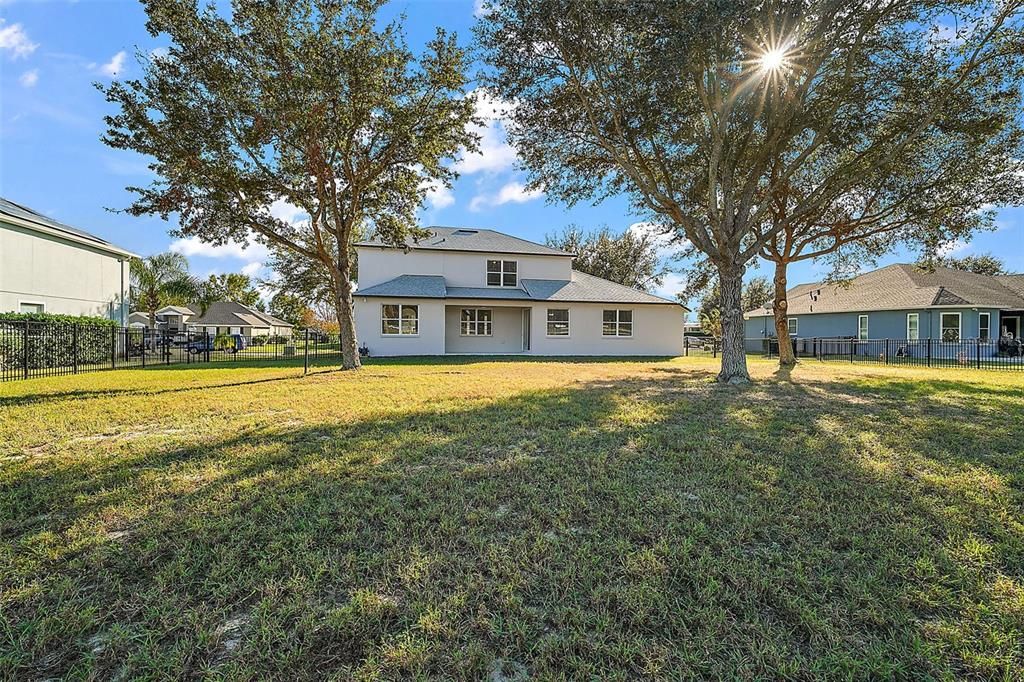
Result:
{"points": [[995, 354], [41, 349]]}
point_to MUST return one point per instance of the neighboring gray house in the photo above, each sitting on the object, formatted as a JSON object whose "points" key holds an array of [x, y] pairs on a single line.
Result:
{"points": [[464, 291], [228, 317], [49, 267], [902, 302]]}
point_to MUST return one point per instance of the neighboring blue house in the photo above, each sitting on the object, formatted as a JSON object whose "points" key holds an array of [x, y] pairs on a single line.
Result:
{"points": [[902, 302]]}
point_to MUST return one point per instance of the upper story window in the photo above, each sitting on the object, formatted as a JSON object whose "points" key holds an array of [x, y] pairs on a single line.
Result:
{"points": [[502, 273]]}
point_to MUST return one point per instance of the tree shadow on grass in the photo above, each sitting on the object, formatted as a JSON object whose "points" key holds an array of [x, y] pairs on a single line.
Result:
{"points": [[618, 529]]}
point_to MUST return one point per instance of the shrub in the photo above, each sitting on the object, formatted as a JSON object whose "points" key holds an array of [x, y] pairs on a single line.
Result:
{"points": [[54, 343]]}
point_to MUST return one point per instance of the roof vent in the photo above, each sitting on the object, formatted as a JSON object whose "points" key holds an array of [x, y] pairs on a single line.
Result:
{"points": [[464, 233]]}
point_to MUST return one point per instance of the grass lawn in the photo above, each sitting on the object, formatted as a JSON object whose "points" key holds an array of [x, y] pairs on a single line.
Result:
{"points": [[469, 519]]}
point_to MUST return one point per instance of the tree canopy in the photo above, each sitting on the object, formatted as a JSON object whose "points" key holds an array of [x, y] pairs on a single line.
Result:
{"points": [[703, 112], [980, 264], [300, 124], [233, 286], [632, 258]]}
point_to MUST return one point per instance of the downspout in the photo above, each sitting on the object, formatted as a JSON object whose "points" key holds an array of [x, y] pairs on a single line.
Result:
{"points": [[121, 261]]}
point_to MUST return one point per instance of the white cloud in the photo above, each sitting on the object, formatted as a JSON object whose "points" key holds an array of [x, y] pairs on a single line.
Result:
{"points": [[193, 246], [512, 192], [495, 153], [438, 196], [671, 285], [664, 240], [251, 269], [29, 78], [284, 211], [115, 66], [14, 39]]}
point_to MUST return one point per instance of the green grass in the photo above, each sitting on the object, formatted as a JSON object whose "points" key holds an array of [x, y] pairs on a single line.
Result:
{"points": [[472, 518]]}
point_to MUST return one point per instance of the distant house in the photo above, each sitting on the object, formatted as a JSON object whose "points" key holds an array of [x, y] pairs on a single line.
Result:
{"points": [[49, 267], [228, 317], [479, 291], [902, 302]]}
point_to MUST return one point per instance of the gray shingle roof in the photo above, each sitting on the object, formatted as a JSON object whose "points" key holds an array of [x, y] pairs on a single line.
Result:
{"points": [[408, 286], [10, 209], [473, 239], [231, 314], [902, 287], [583, 288]]}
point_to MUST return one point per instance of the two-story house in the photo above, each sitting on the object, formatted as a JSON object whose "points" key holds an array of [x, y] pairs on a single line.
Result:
{"points": [[465, 291], [49, 267]]}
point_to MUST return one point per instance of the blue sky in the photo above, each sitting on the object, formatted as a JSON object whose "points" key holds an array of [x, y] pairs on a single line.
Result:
{"points": [[51, 157]]}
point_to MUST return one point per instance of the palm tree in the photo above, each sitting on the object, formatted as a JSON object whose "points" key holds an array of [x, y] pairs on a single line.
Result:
{"points": [[159, 280]]}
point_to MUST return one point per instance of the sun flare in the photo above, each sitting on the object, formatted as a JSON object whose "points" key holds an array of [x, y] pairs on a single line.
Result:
{"points": [[773, 59]]}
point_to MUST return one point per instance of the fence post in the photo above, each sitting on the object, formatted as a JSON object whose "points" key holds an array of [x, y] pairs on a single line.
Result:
{"points": [[887, 351], [74, 349], [929, 351], [113, 348], [24, 349], [977, 348], [305, 354], [144, 346], [853, 349], [686, 347]]}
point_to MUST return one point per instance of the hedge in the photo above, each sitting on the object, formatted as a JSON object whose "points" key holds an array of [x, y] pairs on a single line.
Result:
{"points": [[55, 340]]}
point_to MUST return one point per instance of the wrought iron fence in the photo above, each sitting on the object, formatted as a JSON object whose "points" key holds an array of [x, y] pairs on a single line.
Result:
{"points": [[39, 349], [996, 354]]}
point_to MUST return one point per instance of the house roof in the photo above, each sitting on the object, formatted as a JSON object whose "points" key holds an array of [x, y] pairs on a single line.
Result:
{"points": [[902, 287], [24, 216], [582, 288], [472, 239], [232, 314], [177, 310]]}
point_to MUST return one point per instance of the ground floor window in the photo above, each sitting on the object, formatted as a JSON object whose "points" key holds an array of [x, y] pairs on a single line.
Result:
{"points": [[792, 326], [984, 326], [558, 322], [949, 327], [862, 327], [476, 322], [32, 308], [617, 323], [399, 320], [913, 326]]}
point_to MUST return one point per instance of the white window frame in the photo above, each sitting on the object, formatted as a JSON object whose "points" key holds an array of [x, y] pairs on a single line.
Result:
{"points": [[618, 322], [502, 273], [472, 326], [401, 308], [987, 326], [792, 326], [959, 327], [916, 336], [41, 304], [548, 323], [865, 333]]}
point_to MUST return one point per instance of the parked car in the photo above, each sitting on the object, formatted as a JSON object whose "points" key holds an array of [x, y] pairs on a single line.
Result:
{"points": [[230, 343]]}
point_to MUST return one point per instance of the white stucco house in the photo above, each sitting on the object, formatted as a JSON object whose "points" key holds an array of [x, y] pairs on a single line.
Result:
{"points": [[49, 267], [477, 291]]}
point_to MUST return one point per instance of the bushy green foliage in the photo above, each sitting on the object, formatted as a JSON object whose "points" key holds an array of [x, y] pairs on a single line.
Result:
{"points": [[54, 340], [57, 319]]}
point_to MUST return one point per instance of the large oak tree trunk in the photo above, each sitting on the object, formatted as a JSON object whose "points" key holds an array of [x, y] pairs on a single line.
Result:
{"points": [[734, 356], [346, 318], [780, 308]]}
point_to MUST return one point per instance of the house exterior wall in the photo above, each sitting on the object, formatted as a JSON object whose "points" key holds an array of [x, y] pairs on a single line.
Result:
{"points": [[506, 330], [882, 324], [459, 268], [657, 329], [429, 340], [66, 277]]}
